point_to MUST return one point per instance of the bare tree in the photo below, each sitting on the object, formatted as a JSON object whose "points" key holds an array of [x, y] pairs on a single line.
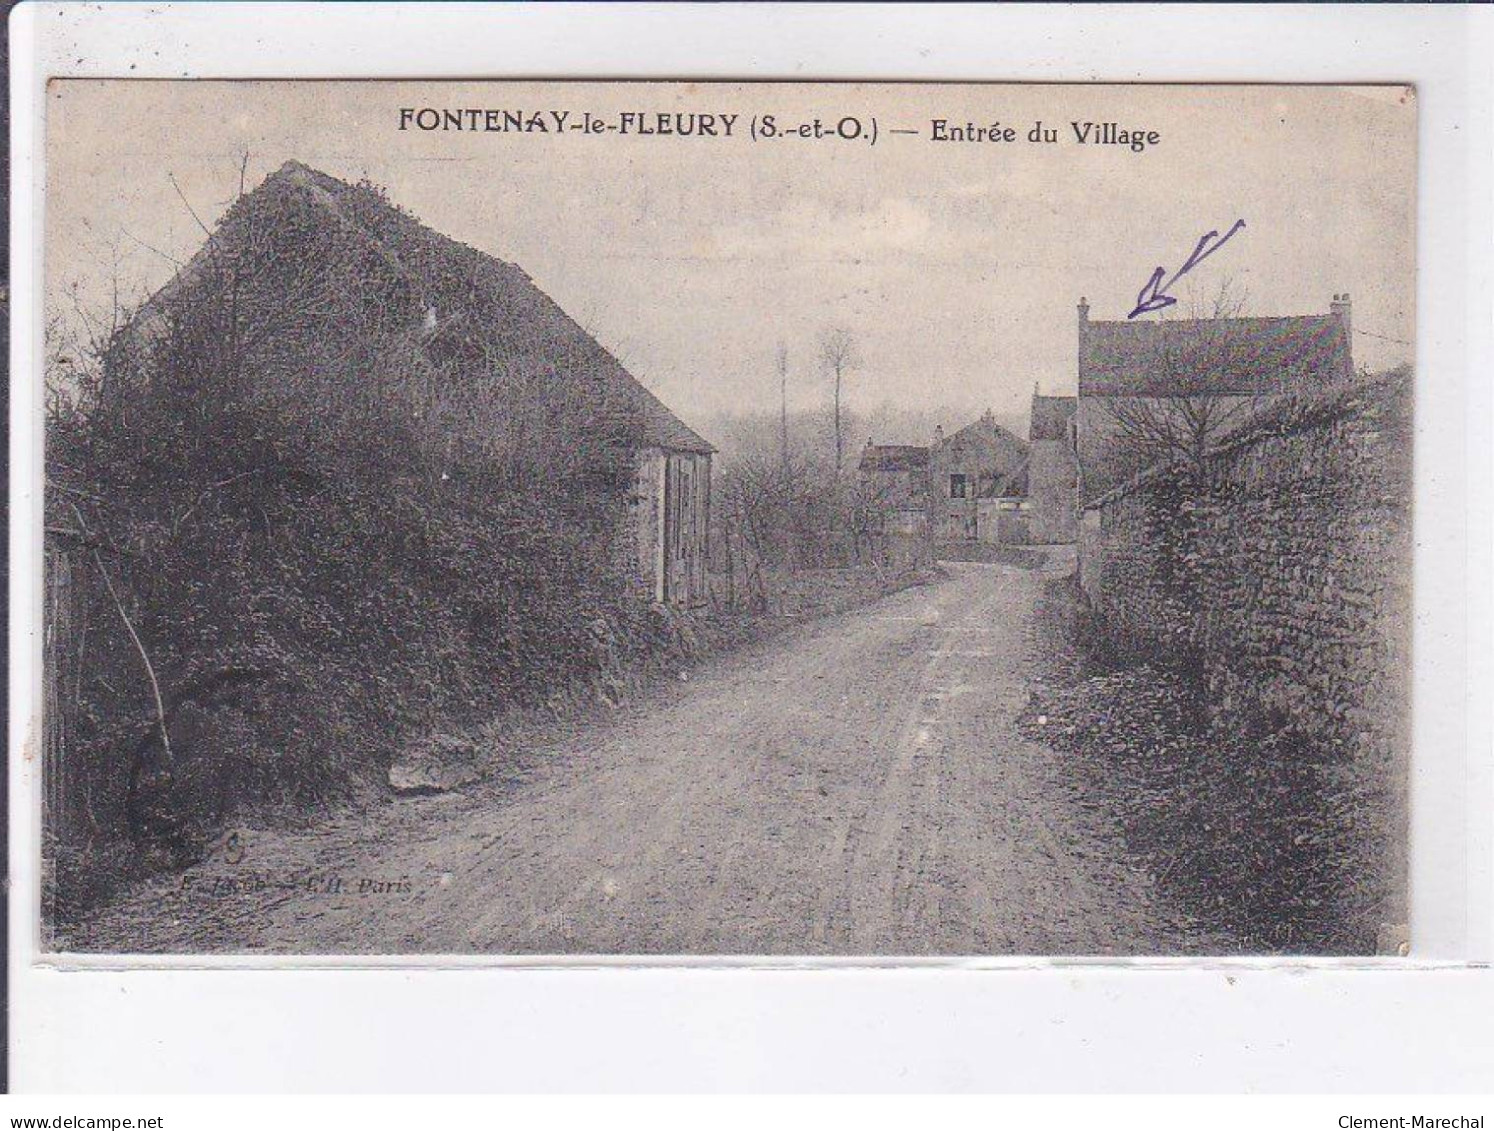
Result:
{"points": [[1188, 396], [77, 336], [871, 501], [787, 510], [839, 355]]}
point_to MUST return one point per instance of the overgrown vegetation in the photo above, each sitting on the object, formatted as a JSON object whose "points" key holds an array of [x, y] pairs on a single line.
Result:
{"points": [[341, 486], [782, 505], [1246, 826], [322, 495], [1239, 691], [781, 513]]}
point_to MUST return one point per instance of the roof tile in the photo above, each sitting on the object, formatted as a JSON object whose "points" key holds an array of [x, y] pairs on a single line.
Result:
{"points": [[1212, 356]]}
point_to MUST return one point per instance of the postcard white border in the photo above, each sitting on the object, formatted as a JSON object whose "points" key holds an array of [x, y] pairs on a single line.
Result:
{"points": [[987, 1024]]}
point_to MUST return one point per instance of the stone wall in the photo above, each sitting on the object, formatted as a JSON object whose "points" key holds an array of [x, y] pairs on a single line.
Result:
{"points": [[1283, 578]]}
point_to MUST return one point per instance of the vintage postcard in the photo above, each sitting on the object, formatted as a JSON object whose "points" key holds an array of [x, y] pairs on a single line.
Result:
{"points": [[707, 519]]}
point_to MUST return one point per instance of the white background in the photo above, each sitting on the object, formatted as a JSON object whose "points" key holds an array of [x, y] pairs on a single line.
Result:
{"points": [[993, 1025]]}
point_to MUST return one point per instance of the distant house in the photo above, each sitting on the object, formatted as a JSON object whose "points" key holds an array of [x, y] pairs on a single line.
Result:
{"points": [[441, 330], [1148, 390], [894, 496], [970, 486], [979, 484], [1052, 471], [894, 480]]}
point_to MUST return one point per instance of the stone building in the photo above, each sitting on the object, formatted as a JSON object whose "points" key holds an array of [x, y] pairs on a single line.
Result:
{"points": [[1154, 390], [979, 484], [1052, 471], [462, 344]]}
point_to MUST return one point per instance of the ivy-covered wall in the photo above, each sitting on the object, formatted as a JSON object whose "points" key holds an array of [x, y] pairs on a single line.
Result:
{"points": [[1281, 578]]}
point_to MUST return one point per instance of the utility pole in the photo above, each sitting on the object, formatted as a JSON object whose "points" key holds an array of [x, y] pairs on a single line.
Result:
{"points": [[838, 352], [783, 405]]}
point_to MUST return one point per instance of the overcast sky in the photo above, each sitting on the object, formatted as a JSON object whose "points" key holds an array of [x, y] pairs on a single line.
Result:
{"points": [[956, 266]]}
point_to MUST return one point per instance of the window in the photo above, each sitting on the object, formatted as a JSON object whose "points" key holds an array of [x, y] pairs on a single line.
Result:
{"points": [[956, 486]]}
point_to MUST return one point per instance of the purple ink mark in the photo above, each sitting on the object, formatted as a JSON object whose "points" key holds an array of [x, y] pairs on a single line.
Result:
{"points": [[1154, 295]]}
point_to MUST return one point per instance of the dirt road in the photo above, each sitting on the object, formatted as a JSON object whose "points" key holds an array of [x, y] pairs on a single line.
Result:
{"points": [[854, 786]]}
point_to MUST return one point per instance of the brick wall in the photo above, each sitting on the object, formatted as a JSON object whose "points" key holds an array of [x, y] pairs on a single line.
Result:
{"points": [[1284, 579]]}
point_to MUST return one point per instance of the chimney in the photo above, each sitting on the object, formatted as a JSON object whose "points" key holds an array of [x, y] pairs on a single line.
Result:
{"points": [[1083, 310], [1341, 309], [938, 434]]}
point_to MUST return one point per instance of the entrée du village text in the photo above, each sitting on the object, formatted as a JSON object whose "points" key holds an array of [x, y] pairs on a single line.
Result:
{"points": [[765, 127]]}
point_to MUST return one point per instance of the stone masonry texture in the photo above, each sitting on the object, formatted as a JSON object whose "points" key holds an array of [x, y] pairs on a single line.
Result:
{"points": [[1282, 576]]}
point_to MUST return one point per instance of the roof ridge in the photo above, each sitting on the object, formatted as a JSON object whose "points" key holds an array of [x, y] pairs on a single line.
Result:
{"points": [[1249, 355], [1164, 322], [985, 420], [422, 256]]}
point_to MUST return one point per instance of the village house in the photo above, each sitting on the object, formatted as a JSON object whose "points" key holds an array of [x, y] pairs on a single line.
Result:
{"points": [[894, 480], [1052, 471], [1155, 390], [979, 484], [970, 486], [893, 484], [443, 327]]}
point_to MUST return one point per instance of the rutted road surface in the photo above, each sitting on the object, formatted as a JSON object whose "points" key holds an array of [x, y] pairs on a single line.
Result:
{"points": [[855, 786]]}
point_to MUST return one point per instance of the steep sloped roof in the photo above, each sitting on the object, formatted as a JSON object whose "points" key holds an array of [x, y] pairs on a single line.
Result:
{"points": [[1050, 417], [893, 457], [1192, 357], [476, 305], [986, 433]]}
